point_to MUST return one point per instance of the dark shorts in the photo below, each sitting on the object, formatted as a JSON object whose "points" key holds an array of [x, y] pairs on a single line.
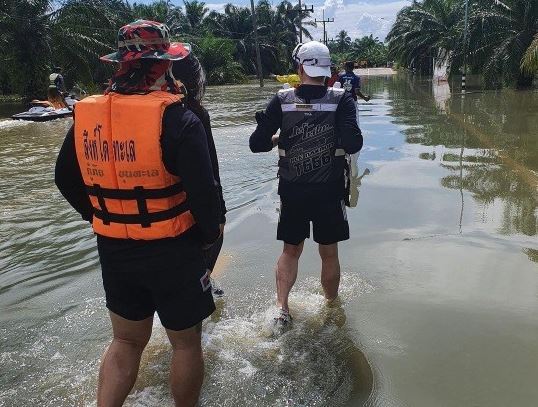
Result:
{"points": [[169, 279], [329, 221]]}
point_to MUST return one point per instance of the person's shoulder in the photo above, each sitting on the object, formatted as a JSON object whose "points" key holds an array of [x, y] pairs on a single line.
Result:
{"points": [[285, 91], [180, 116]]}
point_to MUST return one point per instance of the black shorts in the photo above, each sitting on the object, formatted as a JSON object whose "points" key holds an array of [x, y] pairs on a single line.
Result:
{"points": [[329, 221], [170, 279]]}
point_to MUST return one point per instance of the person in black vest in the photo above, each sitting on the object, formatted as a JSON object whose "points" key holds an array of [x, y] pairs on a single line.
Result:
{"points": [[317, 128]]}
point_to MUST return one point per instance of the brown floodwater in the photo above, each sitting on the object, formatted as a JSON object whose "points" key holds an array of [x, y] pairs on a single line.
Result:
{"points": [[440, 278]]}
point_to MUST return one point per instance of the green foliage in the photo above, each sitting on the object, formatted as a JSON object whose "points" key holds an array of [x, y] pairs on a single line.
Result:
{"points": [[501, 40], [217, 55], [36, 35], [367, 48], [529, 64]]}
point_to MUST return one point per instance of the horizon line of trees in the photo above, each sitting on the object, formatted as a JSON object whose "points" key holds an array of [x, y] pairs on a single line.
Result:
{"points": [[37, 35], [502, 38], [368, 49]]}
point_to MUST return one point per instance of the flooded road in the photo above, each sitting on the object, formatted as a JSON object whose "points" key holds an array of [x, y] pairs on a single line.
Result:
{"points": [[440, 278]]}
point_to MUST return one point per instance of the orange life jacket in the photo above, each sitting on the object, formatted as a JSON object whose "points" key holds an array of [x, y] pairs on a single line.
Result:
{"points": [[117, 139]]}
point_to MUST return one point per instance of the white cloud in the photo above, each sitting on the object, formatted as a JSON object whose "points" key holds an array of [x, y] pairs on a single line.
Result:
{"points": [[219, 7], [357, 18]]}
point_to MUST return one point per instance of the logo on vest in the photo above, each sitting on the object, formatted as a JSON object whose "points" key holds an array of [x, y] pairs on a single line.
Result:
{"points": [[97, 149], [307, 131]]}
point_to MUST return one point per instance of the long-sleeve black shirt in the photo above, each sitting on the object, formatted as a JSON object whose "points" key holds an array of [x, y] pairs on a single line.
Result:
{"points": [[203, 115], [346, 129], [185, 154]]}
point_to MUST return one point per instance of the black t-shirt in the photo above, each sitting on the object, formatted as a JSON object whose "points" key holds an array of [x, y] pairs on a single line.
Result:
{"points": [[270, 121]]}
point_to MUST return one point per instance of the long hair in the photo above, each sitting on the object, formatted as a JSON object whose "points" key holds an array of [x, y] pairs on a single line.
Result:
{"points": [[190, 73]]}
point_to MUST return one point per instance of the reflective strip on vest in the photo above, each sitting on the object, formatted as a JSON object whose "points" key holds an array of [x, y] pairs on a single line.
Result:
{"points": [[305, 107], [117, 139], [339, 152]]}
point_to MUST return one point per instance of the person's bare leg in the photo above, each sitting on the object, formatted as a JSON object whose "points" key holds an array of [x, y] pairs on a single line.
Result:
{"points": [[121, 360], [286, 272], [187, 369], [330, 270]]}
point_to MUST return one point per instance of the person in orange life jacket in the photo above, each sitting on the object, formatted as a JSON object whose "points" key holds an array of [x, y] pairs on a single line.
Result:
{"points": [[351, 82], [317, 128], [136, 165], [191, 74]]}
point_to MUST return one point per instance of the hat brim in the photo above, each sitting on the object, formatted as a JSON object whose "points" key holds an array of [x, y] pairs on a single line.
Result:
{"points": [[315, 71], [175, 52]]}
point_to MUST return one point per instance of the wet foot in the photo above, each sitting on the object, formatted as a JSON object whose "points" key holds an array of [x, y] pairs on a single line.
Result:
{"points": [[217, 291], [283, 322], [334, 313], [334, 302]]}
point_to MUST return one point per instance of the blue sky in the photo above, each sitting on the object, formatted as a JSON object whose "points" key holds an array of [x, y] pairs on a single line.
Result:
{"points": [[357, 17]]}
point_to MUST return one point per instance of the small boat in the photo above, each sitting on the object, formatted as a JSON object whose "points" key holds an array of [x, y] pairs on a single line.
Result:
{"points": [[41, 113]]}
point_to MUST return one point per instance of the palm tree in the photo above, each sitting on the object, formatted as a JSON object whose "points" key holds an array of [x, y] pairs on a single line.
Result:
{"points": [[343, 41], [530, 59], [424, 28], [38, 35], [502, 42], [502, 35], [162, 11], [195, 14]]}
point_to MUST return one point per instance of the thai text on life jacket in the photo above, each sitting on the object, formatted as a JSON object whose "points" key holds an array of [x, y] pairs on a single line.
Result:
{"points": [[117, 139]]}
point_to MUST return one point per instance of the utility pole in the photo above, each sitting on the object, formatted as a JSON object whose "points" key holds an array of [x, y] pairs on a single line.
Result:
{"points": [[258, 56], [464, 75], [306, 10], [329, 20]]}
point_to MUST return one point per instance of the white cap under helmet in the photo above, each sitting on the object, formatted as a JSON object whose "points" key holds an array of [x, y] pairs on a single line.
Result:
{"points": [[314, 57]]}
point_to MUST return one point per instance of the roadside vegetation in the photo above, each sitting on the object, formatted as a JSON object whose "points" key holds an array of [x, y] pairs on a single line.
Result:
{"points": [[368, 50], [501, 45], [36, 35]]}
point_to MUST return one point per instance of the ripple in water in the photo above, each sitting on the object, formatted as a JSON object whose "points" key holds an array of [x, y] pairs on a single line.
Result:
{"points": [[316, 363]]}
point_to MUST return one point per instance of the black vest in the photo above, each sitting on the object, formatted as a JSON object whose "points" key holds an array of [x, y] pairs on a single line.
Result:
{"points": [[308, 145]]}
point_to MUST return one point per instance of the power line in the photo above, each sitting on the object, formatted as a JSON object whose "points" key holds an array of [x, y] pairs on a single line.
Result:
{"points": [[306, 9], [324, 21], [258, 57]]}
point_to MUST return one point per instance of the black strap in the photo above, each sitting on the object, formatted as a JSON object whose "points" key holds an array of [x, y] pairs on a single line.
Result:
{"points": [[139, 219], [134, 194], [142, 207], [102, 204]]}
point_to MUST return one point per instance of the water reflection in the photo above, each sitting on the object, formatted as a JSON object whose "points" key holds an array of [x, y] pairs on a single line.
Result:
{"points": [[491, 141]]}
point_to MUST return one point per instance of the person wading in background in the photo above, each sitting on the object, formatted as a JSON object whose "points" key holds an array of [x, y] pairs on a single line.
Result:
{"points": [[351, 82], [318, 127], [137, 166]]}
